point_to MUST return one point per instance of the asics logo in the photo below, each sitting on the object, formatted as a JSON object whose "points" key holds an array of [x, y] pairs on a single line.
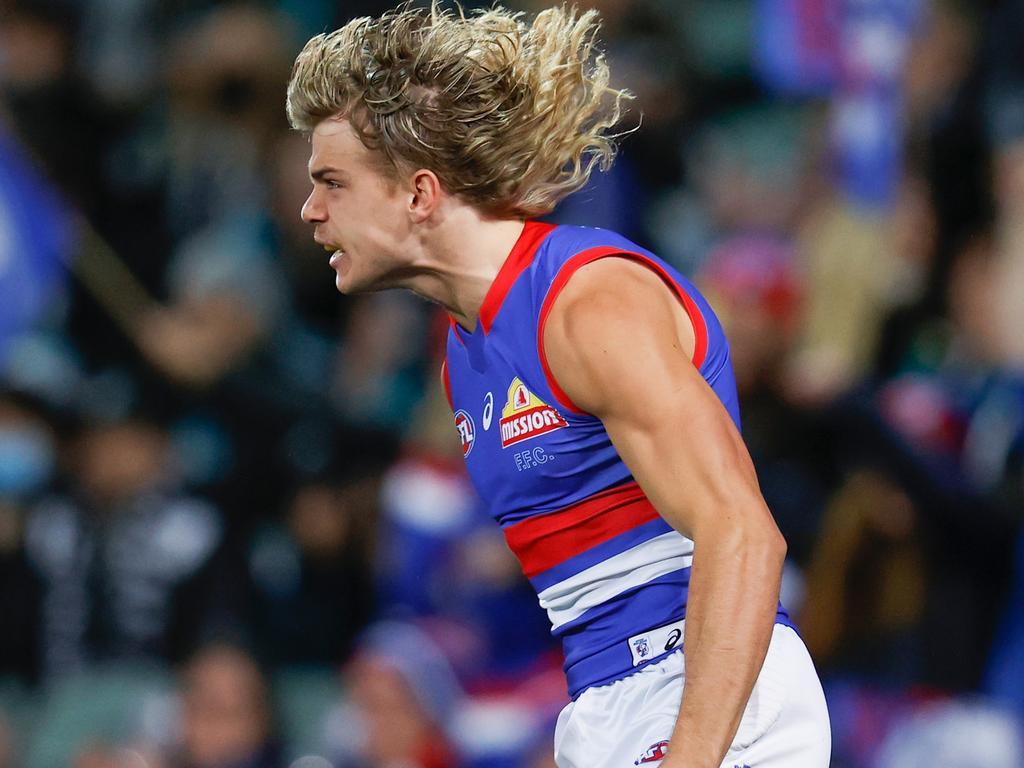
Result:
{"points": [[488, 411]]}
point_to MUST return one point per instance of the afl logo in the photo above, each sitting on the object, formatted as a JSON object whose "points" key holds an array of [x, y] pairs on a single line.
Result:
{"points": [[467, 431]]}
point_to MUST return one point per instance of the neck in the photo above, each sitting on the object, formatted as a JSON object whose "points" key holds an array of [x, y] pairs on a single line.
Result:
{"points": [[462, 253]]}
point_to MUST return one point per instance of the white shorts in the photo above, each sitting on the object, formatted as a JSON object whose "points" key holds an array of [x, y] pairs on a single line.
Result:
{"points": [[621, 725]]}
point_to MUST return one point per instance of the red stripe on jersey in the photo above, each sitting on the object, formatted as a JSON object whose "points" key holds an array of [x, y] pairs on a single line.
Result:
{"points": [[700, 329], [455, 329], [519, 258], [447, 383], [544, 541]]}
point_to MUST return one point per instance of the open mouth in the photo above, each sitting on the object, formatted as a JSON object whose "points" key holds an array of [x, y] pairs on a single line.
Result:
{"points": [[334, 250]]}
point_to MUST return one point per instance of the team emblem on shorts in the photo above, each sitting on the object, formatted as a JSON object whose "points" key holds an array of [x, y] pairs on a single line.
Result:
{"points": [[653, 753], [642, 647], [467, 431], [525, 415]]}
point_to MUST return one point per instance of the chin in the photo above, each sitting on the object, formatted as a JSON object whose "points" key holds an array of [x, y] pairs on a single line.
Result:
{"points": [[343, 277], [350, 284], [346, 285], [350, 280]]}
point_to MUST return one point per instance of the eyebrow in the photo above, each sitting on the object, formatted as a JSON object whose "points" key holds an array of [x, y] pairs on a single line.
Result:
{"points": [[320, 173]]}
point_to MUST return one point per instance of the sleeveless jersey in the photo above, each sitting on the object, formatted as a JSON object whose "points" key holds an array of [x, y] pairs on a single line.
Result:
{"points": [[610, 572]]}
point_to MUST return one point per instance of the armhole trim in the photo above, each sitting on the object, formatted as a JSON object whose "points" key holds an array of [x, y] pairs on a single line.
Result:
{"points": [[569, 268], [447, 382], [455, 330]]}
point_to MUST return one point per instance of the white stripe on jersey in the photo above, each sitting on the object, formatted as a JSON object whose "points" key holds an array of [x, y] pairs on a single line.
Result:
{"points": [[572, 597]]}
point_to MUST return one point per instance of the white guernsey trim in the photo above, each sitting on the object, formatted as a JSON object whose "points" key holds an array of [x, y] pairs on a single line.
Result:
{"points": [[571, 598]]}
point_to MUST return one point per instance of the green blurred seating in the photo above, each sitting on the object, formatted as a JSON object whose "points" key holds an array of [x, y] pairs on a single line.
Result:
{"points": [[303, 696], [103, 705]]}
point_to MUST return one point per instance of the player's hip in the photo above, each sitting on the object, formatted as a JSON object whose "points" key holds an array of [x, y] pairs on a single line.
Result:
{"points": [[629, 722]]}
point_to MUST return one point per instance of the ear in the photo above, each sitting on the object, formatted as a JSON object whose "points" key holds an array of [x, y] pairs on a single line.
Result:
{"points": [[426, 195]]}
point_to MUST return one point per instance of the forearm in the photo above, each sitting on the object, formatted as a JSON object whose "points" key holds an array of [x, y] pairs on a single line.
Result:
{"points": [[733, 598]]}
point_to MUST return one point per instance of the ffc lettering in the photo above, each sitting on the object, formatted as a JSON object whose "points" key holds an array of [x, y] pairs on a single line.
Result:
{"points": [[531, 459]]}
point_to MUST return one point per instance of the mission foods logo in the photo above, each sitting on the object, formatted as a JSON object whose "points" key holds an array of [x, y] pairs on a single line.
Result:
{"points": [[525, 415]]}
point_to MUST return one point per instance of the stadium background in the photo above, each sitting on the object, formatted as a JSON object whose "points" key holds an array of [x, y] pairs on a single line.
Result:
{"points": [[234, 530]]}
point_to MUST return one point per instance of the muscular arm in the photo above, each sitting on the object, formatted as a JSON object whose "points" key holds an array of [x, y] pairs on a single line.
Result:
{"points": [[620, 345]]}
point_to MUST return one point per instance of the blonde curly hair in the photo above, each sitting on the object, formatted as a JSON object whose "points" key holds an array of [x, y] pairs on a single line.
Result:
{"points": [[511, 116]]}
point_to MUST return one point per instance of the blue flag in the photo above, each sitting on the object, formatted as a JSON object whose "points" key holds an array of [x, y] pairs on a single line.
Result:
{"points": [[797, 45], [36, 236], [854, 52]]}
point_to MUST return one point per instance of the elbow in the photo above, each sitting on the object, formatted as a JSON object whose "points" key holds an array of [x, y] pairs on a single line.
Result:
{"points": [[777, 547], [747, 531], [765, 542], [763, 530], [775, 542], [755, 539]]}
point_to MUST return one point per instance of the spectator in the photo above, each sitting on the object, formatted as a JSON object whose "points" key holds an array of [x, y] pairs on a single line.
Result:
{"points": [[43, 94], [311, 579], [403, 698], [29, 453], [225, 713], [865, 584], [122, 555]]}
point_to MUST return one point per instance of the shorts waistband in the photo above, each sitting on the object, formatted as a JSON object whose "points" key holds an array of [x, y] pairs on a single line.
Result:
{"points": [[622, 659]]}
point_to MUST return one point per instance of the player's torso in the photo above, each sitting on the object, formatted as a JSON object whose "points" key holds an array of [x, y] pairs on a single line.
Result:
{"points": [[525, 453], [611, 573]]}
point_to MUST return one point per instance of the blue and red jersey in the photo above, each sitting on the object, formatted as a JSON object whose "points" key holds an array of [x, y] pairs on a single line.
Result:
{"points": [[611, 573]]}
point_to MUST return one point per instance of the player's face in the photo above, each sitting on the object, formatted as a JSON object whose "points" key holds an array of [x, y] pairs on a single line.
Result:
{"points": [[357, 213]]}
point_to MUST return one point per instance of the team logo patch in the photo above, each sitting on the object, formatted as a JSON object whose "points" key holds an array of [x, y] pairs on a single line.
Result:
{"points": [[653, 753], [467, 431], [642, 647], [525, 415]]}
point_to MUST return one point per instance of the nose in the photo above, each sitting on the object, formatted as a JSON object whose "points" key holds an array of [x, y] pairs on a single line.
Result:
{"points": [[313, 210]]}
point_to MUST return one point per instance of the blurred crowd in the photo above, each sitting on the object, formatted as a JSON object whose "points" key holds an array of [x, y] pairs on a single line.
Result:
{"points": [[234, 527]]}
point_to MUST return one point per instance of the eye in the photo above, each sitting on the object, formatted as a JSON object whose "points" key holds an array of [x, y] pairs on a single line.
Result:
{"points": [[332, 184]]}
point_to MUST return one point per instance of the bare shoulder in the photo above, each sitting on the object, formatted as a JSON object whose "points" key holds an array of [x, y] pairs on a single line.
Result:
{"points": [[614, 319], [614, 282]]}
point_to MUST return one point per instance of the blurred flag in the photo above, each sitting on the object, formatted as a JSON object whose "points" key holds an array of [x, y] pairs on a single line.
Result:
{"points": [[36, 235], [855, 52], [797, 46], [868, 111]]}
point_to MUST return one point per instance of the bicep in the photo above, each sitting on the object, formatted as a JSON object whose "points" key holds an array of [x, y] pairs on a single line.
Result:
{"points": [[620, 345]]}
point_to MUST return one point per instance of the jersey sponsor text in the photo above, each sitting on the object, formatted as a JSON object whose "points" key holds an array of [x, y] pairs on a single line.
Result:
{"points": [[525, 416]]}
